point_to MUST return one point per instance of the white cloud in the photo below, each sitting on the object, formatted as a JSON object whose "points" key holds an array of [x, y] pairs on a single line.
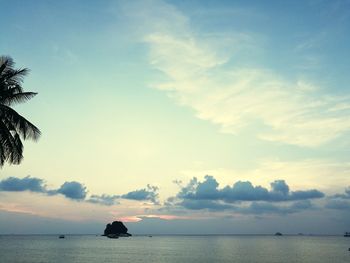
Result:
{"points": [[328, 176], [201, 76]]}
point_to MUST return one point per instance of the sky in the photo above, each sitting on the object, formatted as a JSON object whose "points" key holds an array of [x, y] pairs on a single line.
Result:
{"points": [[200, 117]]}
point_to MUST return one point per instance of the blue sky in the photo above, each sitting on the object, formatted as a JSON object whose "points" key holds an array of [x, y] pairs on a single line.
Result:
{"points": [[140, 101]]}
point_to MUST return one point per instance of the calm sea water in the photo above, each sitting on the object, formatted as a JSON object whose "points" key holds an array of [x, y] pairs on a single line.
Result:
{"points": [[174, 249]]}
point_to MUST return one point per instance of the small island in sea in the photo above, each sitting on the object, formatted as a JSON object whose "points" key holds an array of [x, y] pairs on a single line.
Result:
{"points": [[116, 229]]}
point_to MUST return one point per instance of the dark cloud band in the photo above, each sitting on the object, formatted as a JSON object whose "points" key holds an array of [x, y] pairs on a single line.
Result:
{"points": [[242, 197], [243, 191], [76, 191]]}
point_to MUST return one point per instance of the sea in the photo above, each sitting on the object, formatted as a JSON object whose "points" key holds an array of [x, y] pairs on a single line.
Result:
{"points": [[174, 249]]}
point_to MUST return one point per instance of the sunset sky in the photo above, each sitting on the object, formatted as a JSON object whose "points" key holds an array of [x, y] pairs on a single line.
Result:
{"points": [[181, 116]]}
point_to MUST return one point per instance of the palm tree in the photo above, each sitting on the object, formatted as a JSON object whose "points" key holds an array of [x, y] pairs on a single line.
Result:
{"points": [[13, 126]]}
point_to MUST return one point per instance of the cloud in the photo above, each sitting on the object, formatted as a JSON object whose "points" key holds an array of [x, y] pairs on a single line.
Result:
{"points": [[73, 190], [255, 208], [339, 201], [345, 195], [13, 184], [150, 193], [231, 93], [338, 205], [241, 197], [323, 174], [268, 208], [205, 204], [103, 199], [77, 191], [243, 191]]}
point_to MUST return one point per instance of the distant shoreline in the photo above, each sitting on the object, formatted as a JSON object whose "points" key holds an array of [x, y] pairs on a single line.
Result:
{"points": [[189, 235]]}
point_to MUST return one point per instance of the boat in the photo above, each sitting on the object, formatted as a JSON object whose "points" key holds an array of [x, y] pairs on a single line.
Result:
{"points": [[347, 234], [113, 236], [61, 236]]}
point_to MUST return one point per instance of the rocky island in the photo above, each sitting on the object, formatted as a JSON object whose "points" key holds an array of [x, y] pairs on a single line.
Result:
{"points": [[116, 229]]}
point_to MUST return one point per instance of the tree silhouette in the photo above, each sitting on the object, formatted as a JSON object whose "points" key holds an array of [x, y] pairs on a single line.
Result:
{"points": [[13, 127]]}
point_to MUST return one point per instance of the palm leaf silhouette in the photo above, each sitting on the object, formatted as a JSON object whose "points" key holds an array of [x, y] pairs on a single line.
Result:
{"points": [[13, 127]]}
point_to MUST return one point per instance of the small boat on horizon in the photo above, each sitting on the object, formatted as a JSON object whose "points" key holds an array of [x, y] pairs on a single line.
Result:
{"points": [[61, 236], [347, 234], [115, 236]]}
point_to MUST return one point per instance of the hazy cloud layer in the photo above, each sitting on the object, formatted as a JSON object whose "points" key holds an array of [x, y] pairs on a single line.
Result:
{"points": [[206, 76], [251, 208], [268, 208], [103, 199], [339, 201], [345, 195], [338, 204], [149, 194], [76, 191], [240, 198]]}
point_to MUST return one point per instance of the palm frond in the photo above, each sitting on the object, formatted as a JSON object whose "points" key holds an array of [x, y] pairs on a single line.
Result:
{"points": [[22, 126], [17, 154], [10, 97], [4, 92], [13, 126], [13, 76], [6, 62], [15, 88], [3, 66], [11, 147]]}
